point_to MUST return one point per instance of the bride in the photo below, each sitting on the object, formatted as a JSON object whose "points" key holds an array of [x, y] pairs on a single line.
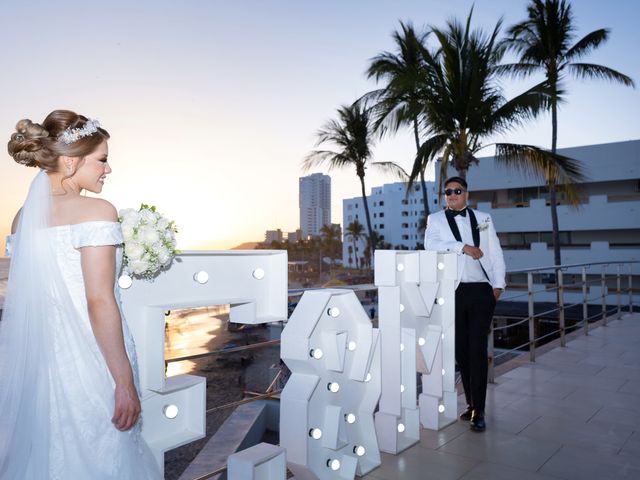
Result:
{"points": [[69, 405]]}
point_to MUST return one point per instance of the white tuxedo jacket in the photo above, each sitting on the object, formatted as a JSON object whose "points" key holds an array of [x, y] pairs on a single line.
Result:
{"points": [[439, 237]]}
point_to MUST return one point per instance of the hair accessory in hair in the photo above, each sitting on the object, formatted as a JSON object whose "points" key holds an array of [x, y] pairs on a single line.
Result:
{"points": [[71, 135]]}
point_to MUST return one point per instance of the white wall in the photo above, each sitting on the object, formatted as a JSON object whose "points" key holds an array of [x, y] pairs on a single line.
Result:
{"points": [[604, 162], [597, 214]]}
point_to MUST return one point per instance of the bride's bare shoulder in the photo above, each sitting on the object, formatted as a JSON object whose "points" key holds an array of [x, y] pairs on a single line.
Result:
{"points": [[69, 211], [78, 210], [96, 209]]}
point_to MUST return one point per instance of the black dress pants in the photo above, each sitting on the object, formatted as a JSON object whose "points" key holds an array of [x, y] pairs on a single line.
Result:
{"points": [[475, 304]]}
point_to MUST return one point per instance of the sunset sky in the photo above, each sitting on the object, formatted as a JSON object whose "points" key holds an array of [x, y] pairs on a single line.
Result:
{"points": [[212, 105]]}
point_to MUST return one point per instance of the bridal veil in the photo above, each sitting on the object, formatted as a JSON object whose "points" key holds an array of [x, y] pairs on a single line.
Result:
{"points": [[35, 287]]}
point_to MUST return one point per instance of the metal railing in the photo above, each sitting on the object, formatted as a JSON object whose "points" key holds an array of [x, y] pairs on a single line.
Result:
{"points": [[557, 315], [532, 319]]}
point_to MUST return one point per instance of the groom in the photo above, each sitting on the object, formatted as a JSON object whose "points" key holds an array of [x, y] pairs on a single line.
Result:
{"points": [[480, 282]]}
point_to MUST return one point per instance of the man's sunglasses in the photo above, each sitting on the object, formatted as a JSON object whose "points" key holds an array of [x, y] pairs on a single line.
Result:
{"points": [[450, 191]]}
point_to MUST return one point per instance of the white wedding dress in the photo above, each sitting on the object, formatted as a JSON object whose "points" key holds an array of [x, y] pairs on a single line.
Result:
{"points": [[82, 442]]}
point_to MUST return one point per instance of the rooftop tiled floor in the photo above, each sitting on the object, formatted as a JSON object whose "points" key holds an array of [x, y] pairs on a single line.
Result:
{"points": [[573, 414]]}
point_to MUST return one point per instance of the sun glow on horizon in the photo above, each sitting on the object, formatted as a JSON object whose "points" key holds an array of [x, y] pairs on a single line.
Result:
{"points": [[212, 128]]}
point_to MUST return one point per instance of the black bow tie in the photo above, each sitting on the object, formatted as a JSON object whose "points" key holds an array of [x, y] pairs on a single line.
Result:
{"points": [[455, 213]]}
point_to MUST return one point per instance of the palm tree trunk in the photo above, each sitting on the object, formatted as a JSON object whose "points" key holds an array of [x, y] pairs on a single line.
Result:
{"points": [[372, 243], [425, 201], [355, 253], [555, 229]]}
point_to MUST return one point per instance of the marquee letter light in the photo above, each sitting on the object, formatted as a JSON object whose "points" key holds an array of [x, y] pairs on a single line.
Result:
{"points": [[326, 407], [260, 462], [253, 282], [415, 315]]}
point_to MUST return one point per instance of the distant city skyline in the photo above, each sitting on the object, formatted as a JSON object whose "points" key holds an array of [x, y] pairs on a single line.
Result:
{"points": [[212, 106]]}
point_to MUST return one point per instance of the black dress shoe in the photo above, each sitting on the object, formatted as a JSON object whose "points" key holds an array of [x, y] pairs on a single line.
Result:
{"points": [[477, 422], [466, 415]]}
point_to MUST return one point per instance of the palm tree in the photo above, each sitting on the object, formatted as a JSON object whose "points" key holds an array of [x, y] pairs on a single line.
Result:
{"points": [[544, 43], [463, 106], [313, 252], [382, 244], [399, 102], [330, 241], [355, 231], [352, 133]]}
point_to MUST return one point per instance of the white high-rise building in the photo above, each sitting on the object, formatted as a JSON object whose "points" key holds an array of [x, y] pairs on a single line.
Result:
{"points": [[395, 217], [604, 228], [315, 203]]}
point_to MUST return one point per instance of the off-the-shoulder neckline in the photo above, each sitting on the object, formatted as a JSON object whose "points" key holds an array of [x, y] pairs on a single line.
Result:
{"points": [[71, 225]]}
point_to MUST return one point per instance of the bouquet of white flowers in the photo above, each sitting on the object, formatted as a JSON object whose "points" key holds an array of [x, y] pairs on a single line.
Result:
{"points": [[149, 241]]}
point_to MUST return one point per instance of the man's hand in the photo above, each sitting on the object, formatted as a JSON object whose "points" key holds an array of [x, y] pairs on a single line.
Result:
{"points": [[473, 252], [497, 292]]}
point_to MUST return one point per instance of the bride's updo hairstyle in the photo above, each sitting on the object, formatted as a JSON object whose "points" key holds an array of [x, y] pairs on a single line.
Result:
{"points": [[36, 145]]}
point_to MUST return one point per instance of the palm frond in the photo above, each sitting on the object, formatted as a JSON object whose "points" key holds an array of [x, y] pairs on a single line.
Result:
{"points": [[370, 98], [552, 168], [398, 103], [590, 71], [332, 160], [587, 44], [546, 33], [523, 107], [426, 153], [355, 230], [392, 168], [516, 70], [390, 114]]}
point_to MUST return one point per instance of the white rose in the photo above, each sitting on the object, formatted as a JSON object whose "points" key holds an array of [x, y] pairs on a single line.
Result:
{"points": [[148, 235], [126, 213], [148, 217], [133, 251], [163, 255], [129, 216], [127, 231], [162, 224], [138, 266]]}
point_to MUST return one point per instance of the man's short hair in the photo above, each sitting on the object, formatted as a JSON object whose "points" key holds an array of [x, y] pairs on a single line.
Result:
{"points": [[459, 180]]}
